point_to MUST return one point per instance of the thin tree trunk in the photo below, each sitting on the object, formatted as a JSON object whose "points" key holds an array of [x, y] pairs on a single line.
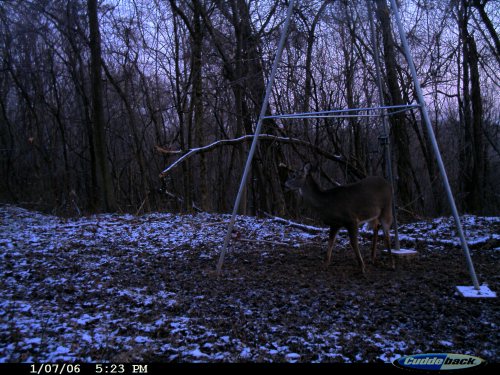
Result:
{"points": [[480, 5], [180, 105], [104, 181], [398, 126], [474, 201], [472, 155], [473, 116], [197, 95], [137, 148]]}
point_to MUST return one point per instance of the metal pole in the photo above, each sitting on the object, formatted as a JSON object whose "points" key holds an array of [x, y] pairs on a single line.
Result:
{"points": [[263, 111], [385, 125], [345, 110], [435, 146]]}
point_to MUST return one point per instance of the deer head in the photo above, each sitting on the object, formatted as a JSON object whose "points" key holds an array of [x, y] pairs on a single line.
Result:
{"points": [[297, 178]]}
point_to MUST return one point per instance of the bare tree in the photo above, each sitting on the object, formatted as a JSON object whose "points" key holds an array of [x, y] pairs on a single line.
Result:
{"points": [[472, 115]]}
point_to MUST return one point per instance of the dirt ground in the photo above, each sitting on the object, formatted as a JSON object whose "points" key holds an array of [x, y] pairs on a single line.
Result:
{"points": [[122, 288], [292, 295]]}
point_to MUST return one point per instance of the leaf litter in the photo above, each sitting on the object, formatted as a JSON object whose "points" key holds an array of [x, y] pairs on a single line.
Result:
{"points": [[118, 287]]}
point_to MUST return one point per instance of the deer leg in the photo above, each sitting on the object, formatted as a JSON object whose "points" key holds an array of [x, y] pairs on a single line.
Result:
{"points": [[353, 236], [374, 240], [331, 243], [387, 240]]}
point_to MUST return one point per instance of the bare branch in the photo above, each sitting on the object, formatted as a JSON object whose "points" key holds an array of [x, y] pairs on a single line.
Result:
{"points": [[248, 138]]}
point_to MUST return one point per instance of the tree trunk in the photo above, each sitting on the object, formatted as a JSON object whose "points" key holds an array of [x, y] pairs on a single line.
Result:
{"points": [[180, 106], [473, 146], [104, 182], [479, 5], [479, 165], [347, 40], [197, 95], [398, 126]]}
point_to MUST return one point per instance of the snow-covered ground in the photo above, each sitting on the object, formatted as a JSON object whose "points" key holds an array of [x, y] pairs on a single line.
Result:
{"points": [[127, 288]]}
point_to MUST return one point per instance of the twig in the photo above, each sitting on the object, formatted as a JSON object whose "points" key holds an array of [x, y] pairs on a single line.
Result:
{"points": [[140, 207], [264, 241], [181, 200]]}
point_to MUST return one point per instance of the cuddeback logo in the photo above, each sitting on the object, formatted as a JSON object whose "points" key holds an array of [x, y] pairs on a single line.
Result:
{"points": [[438, 361]]}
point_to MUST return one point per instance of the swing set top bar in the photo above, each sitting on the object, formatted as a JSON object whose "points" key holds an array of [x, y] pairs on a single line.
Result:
{"points": [[346, 112]]}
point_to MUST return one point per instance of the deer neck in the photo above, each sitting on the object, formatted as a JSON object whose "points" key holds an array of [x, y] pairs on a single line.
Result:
{"points": [[312, 192]]}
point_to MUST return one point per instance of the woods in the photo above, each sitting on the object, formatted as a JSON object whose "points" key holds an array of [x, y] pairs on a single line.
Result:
{"points": [[98, 98]]}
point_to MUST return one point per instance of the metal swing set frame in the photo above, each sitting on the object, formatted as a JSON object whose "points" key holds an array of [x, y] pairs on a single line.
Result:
{"points": [[382, 111]]}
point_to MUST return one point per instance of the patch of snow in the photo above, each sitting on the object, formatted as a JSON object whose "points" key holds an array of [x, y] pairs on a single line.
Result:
{"points": [[35, 340], [246, 353], [61, 350], [197, 353], [445, 343], [292, 357], [86, 337]]}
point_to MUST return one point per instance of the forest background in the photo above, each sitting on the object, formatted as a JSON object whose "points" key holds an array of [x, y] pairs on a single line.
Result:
{"points": [[98, 98]]}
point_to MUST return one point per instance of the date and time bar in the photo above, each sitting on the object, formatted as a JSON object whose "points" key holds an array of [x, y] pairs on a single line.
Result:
{"points": [[85, 368], [80, 368], [94, 368]]}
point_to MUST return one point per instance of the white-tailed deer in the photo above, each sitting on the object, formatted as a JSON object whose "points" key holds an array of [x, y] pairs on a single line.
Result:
{"points": [[368, 200]]}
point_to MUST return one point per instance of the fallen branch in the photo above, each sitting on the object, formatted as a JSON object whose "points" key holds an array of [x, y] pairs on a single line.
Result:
{"points": [[264, 241], [246, 138], [303, 227]]}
